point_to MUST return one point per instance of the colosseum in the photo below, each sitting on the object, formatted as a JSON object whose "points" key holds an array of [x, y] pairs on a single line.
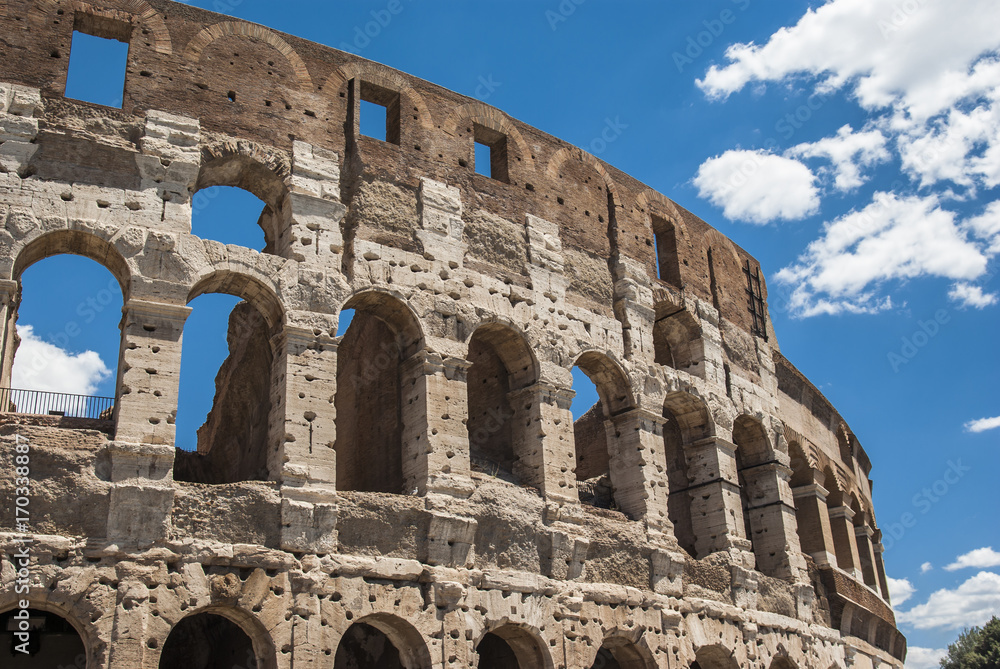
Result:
{"points": [[415, 492]]}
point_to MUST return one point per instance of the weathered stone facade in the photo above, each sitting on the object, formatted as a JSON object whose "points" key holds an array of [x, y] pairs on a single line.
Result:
{"points": [[414, 490]]}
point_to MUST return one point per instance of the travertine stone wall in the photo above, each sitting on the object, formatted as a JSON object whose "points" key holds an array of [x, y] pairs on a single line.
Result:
{"points": [[417, 477]]}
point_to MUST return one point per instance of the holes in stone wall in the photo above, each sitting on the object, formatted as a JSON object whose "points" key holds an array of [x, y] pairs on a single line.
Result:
{"points": [[227, 214]]}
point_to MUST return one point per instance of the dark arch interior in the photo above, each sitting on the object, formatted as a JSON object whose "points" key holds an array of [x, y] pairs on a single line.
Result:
{"points": [[369, 407], [365, 647], [605, 660], [495, 653], [207, 641], [491, 447], [52, 642]]}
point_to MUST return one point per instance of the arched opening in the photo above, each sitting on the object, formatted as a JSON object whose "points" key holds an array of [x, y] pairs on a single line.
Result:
{"points": [[810, 508], [714, 657], [782, 662], [600, 385], [863, 534], [207, 641], [382, 641], [667, 259], [32, 638], [752, 453], [619, 653], [224, 402], [63, 332], [511, 647], [677, 343], [686, 421], [226, 214], [841, 529], [501, 364], [383, 334]]}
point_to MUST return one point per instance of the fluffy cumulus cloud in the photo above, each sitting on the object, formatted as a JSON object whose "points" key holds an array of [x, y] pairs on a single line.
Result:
{"points": [[40, 365], [983, 424], [927, 72], [892, 238], [926, 567], [848, 152], [900, 590], [971, 603], [924, 658], [758, 187], [981, 558]]}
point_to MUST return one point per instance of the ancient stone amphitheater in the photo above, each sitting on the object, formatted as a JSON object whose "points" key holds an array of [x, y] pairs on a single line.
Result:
{"points": [[414, 493]]}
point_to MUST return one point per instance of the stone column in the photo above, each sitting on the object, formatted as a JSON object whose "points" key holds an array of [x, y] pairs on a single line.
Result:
{"points": [[716, 510], [866, 551], [302, 435], [772, 519], [149, 372], [543, 441], [879, 550], [635, 441], [844, 540], [435, 440], [813, 520], [9, 291]]}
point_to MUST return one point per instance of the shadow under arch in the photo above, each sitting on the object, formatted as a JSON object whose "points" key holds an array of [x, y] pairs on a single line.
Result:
{"points": [[620, 652], [502, 363], [216, 625], [510, 646], [405, 639], [687, 420], [377, 361], [714, 657], [57, 624]]}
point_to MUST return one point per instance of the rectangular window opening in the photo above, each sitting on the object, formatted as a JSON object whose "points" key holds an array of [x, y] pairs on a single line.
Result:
{"points": [[379, 113], [665, 245], [491, 153], [98, 60]]}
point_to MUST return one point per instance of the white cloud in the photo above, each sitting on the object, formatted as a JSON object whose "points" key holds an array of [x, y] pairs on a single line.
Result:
{"points": [[968, 295], [986, 226], [758, 187], [924, 658], [39, 365], [983, 424], [983, 558], [849, 151], [971, 603], [926, 567], [891, 238], [900, 590]]}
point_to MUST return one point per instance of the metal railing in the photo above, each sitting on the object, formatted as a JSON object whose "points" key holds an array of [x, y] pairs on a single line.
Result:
{"points": [[40, 402]]}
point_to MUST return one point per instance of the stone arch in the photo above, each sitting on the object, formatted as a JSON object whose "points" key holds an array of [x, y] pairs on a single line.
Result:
{"points": [[199, 42], [405, 639], [259, 170], [621, 652], [253, 287], [73, 242], [757, 485], [557, 160], [502, 365], [803, 465], [715, 657], [510, 641], [230, 619], [601, 472], [86, 643], [384, 77], [135, 12], [687, 419], [494, 119], [782, 662], [678, 344], [376, 360]]}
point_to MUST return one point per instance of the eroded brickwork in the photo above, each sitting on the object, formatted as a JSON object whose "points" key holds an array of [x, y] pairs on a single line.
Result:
{"points": [[413, 493]]}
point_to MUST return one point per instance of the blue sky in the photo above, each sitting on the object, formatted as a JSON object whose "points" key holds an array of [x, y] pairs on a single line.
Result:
{"points": [[854, 149]]}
